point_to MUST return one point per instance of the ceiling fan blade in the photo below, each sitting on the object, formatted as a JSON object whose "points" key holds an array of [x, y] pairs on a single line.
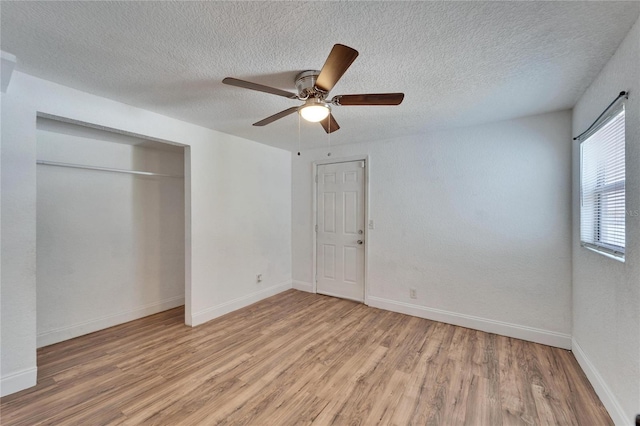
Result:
{"points": [[277, 116], [259, 87], [339, 60], [369, 99], [330, 124]]}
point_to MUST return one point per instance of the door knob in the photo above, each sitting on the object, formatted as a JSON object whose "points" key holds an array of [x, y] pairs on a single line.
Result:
{"points": [[360, 242]]}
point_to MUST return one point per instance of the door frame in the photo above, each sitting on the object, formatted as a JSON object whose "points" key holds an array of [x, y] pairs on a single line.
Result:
{"points": [[314, 184]]}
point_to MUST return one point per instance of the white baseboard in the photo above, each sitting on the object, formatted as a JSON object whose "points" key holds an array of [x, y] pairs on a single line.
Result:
{"points": [[65, 333], [600, 386], [303, 286], [546, 337], [18, 381], [208, 314]]}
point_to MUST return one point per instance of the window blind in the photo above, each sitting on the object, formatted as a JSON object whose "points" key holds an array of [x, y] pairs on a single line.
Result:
{"points": [[602, 186]]}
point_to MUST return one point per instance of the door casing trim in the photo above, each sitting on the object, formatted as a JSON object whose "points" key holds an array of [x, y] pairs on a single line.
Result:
{"points": [[314, 184]]}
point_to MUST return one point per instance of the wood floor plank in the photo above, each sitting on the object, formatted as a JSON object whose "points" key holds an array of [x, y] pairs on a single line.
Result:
{"points": [[301, 359], [420, 397], [287, 399], [385, 403], [518, 404], [483, 403]]}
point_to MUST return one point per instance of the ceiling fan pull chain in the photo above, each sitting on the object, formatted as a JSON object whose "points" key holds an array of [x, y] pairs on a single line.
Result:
{"points": [[298, 134], [329, 136]]}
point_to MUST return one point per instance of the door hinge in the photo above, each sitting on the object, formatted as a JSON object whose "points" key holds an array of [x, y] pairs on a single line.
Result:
{"points": [[362, 164], [316, 228]]}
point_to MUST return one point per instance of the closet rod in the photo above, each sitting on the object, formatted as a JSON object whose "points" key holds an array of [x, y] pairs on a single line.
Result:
{"points": [[104, 169]]}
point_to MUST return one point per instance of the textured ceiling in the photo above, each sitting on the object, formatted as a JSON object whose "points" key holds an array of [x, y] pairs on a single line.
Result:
{"points": [[459, 63]]}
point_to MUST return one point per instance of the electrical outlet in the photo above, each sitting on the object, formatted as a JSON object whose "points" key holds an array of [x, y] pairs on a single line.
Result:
{"points": [[371, 225], [413, 293], [259, 278]]}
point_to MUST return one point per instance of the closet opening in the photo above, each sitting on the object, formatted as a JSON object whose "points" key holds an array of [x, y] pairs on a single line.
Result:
{"points": [[110, 237]]}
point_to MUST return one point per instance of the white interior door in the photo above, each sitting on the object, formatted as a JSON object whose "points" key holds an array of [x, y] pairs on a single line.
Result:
{"points": [[341, 231]]}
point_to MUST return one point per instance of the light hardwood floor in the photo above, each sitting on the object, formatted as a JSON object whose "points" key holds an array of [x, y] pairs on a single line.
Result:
{"points": [[300, 358]]}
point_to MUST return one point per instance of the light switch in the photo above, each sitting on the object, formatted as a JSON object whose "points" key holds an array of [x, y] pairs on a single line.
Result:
{"points": [[371, 224]]}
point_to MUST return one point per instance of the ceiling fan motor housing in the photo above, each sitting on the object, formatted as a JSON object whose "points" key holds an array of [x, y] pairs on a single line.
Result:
{"points": [[306, 85]]}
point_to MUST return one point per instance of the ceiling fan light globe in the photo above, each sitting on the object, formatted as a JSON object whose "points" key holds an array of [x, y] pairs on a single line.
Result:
{"points": [[314, 113]]}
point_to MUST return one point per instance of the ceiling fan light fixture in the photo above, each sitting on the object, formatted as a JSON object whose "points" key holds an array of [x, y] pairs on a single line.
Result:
{"points": [[314, 110]]}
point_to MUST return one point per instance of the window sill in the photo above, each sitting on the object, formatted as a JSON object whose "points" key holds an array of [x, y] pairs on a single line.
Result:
{"points": [[604, 253]]}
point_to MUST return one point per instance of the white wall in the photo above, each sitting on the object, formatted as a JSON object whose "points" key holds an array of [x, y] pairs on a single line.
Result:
{"points": [[606, 292], [18, 279], [476, 219], [246, 189], [109, 246], [235, 190]]}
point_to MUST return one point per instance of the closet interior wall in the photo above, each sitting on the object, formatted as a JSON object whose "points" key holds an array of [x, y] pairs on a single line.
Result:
{"points": [[110, 245]]}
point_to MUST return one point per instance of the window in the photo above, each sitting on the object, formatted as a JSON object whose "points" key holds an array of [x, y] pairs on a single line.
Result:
{"points": [[602, 189]]}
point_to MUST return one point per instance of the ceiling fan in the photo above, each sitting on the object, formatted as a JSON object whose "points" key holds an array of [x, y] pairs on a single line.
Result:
{"points": [[313, 88]]}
